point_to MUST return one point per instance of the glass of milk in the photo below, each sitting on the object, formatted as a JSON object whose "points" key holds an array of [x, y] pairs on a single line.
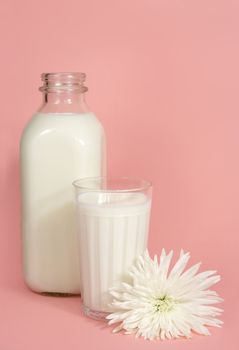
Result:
{"points": [[113, 221]]}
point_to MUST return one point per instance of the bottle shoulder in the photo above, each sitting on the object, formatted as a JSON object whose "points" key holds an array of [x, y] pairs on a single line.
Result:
{"points": [[67, 124], [65, 118], [62, 121]]}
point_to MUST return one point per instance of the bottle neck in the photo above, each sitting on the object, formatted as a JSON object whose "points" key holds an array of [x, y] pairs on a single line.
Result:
{"points": [[63, 102], [63, 92]]}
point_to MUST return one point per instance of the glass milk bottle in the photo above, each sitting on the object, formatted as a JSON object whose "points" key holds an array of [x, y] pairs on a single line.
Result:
{"points": [[63, 141]]}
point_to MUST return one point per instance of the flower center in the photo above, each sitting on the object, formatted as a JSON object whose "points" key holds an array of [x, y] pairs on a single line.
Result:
{"points": [[164, 303]]}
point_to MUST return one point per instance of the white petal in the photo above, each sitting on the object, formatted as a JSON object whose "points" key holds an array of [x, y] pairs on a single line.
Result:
{"points": [[118, 328], [165, 261], [191, 272], [179, 266], [209, 282]]}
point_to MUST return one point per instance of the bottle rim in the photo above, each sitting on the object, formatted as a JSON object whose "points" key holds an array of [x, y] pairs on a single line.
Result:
{"points": [[112, 184], [63, 81]]}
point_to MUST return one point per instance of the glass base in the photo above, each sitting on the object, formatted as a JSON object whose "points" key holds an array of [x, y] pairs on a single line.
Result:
{"points": [[96, 315], [56, 294]]}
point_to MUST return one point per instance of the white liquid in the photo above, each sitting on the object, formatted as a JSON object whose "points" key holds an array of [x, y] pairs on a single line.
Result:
{"points": [[56, 149], [113, 230]]}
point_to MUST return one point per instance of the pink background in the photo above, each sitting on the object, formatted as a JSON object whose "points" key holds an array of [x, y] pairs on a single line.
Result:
{"points": [[163, 78]]}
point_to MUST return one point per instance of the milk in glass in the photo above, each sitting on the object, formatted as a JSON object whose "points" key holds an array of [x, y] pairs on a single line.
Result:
{"points": [[113, 230]]}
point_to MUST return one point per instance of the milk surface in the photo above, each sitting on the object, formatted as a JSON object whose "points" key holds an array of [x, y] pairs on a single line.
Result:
{"points": [[56, 149], [113, 230]]}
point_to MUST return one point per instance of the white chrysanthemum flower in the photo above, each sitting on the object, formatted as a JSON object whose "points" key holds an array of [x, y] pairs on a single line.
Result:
{"points": [[165, 304]]}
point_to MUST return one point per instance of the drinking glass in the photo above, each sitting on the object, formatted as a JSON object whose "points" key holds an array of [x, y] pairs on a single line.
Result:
{"points": [[113, 221]]}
